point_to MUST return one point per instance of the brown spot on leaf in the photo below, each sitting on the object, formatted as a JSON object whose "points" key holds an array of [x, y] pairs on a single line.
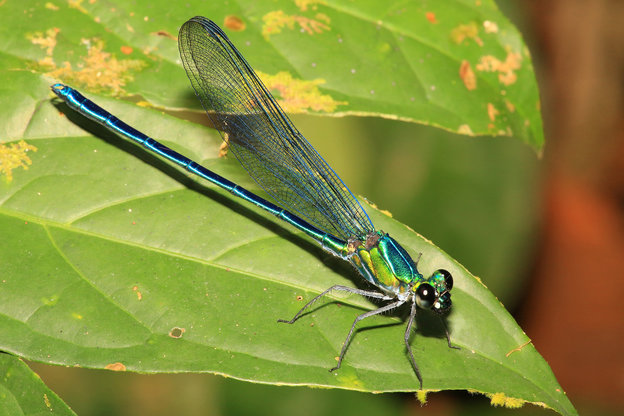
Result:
{"points": [[467, 75], [115, 367], [234, 23], [176, 332], [165, 34], [138, 292]]}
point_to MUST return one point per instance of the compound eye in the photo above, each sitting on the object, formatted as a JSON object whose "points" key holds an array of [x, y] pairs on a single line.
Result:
{"points": [[448, 279], [425, 296]]}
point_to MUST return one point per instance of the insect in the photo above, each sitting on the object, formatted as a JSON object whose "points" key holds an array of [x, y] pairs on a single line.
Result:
{"points": [[308, 193]]}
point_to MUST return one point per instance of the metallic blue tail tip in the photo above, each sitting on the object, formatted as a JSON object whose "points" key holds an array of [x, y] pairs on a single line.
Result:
{"points": [[60, 89]]}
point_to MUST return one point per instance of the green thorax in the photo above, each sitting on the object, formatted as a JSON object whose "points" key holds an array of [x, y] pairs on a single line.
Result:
{"points": [[384, 263]]}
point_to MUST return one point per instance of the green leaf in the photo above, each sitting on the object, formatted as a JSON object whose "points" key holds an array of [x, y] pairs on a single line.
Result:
{"points": [[456, 64], [23, 393], [114, 259]]}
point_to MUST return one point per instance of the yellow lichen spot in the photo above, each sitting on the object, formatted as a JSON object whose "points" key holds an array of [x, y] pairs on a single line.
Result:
{"points": [[500, 399], [275, 21], [421, 395], [386, 212], [46, 41], [468, 31], [51, 6], [351, 381], [99, 71], [506, 69], [51, 301], [76, 315], [46, 401], [234, 23], [14, 156], [115, 367], [304, 4], [467, 75], [492, 112], [77, 4], [465, 129], [490, 27], [297, 96]]}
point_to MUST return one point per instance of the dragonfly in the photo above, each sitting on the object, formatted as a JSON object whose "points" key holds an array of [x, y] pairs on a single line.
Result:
{"points": [[307, 193]]}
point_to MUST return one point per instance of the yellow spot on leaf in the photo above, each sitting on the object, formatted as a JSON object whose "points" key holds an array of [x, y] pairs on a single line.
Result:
{"points": [[115, 367], [275, 21], [350, 381], [467, 75], [465, 129], [51, 6], [297, 96], [468, 31], [500, 399], [386, 212], [304, 4], [234, 23], [76, 315], [46, 400], [77, 4], [490, 27], [14, 156], [505, 69], [47, 41], [98, 71], [51, 301]]}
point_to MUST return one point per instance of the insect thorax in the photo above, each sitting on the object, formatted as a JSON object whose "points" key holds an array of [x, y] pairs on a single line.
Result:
{"points": [[384, 263]]}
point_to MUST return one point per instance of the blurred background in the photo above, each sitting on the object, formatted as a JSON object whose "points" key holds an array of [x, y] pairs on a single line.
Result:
{"points": [[546, 235]]}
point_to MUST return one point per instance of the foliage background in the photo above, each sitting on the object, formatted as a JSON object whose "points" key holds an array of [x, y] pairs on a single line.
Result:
{"points": [[575, 226]]}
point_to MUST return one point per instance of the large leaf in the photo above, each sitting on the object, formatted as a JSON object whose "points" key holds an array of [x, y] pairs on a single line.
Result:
{"points": [[23, 393], [114, 259], [456, 64]]}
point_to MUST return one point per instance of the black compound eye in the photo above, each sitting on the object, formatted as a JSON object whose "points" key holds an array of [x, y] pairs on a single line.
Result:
{"points": [[425, 296], [448, 279]]}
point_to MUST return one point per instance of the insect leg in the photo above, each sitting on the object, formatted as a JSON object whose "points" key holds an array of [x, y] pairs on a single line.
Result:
{"points": [[383, 309], [367, 293]]}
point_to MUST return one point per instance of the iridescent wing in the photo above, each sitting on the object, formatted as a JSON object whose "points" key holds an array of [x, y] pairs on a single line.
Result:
{"points": [[262, 137]]}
